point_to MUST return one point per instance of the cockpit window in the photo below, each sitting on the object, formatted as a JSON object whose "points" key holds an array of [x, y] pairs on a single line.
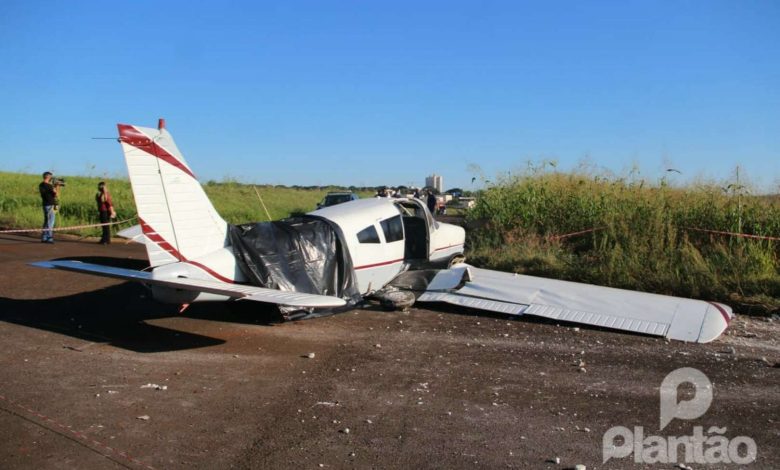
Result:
{"points": [[393, 228], [368, 235]]}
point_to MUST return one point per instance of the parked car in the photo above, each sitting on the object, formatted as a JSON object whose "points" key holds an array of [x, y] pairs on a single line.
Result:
{"points": [[336, 197]]}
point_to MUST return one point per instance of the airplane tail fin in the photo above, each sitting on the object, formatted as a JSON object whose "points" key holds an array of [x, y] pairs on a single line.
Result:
{"points": [[174, 212]]}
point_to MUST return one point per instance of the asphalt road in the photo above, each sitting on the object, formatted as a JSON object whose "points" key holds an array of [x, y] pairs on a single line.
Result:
{"points": [[420, 389]]}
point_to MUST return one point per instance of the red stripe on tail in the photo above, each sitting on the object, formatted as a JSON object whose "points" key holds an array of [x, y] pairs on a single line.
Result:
{"points": [[152, 235], [132, 136]]}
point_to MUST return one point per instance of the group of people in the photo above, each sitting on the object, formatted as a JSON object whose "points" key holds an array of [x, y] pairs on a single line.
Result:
{"points": [[434, 205], [50, 192]]}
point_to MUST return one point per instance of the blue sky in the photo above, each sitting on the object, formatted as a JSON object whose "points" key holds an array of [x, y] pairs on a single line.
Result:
{"points": [[372, 93]]}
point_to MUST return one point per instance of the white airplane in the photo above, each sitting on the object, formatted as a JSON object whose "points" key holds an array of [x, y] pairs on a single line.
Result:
{"points": [[335, 256]]}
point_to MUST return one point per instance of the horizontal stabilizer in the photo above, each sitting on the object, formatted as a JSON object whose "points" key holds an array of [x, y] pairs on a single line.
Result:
{"points": [[639, 312], [236, 291], [134, 234]]}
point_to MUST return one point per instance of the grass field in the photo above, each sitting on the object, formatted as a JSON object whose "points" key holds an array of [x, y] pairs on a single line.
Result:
{"points": [[642, 241], [20, 202]]}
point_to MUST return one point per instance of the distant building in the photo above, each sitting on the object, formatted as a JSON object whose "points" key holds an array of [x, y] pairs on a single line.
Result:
{"points": [[435, 181]]}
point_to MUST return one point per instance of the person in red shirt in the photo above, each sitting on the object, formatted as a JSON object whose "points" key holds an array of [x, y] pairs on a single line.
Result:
{"points": [[106, 210]]}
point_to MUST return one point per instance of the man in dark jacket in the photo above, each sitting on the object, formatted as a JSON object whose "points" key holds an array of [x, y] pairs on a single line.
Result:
{"points": [[432, 202], [49, 194]]}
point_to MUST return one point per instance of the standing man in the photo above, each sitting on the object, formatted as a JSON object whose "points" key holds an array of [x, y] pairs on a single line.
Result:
{"points": [[49, 201], [431, 202]]}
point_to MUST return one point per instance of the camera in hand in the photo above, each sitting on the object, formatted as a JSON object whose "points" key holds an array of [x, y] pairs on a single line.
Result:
{"points": [[57, 181]]}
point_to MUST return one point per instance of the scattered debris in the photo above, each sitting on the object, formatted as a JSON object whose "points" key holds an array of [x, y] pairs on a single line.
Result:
{"points": [[143, 417], [576, 329], [345, 430], [556, 460], [377, 345], [582, 369], [326, 403], [311, 355], [155, 386], [579, 466]]}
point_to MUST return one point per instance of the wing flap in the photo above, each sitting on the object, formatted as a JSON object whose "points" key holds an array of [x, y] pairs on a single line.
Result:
{"points": [[473, 302], [236, 291]]}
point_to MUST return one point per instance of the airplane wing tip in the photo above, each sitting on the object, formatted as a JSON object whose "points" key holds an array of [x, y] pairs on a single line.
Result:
{"points": [[42, 264], [716, 320]]}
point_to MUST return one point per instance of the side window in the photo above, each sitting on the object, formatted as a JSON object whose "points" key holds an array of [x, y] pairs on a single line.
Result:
{"points": [[393, 228], [368, 235]]}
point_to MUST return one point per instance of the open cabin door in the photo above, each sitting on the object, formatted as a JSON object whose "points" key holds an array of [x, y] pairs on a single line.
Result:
{"points": [[417, 227]]}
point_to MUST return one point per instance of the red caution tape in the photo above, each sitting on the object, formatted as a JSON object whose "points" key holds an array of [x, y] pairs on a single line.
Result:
{"points": [[714, 232], [573, 234], [734, 234]]}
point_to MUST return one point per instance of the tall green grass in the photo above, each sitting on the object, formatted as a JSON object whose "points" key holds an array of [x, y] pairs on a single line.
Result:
{"points": [[20, 201], [642, 241]]}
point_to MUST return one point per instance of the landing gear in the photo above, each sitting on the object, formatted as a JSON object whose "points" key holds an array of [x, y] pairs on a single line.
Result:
{"points": [[393, 299], [455, 260]]}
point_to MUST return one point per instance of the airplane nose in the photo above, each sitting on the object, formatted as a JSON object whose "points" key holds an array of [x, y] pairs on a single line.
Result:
{"points": [[716, 319]]}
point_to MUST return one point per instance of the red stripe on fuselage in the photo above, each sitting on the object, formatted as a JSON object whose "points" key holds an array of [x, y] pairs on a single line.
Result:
{"points": [[448, 247], [211, 272], [384, 263], [152, 235], [132, 136]]}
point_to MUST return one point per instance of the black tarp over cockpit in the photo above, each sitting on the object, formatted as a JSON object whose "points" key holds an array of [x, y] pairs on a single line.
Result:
{"points": [[301, 254]]}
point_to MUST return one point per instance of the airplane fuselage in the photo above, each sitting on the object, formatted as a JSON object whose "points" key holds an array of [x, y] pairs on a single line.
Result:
{"points": [[384, 237]]}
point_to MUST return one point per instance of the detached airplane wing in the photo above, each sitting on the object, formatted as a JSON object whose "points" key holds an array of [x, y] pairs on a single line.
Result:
{"points": [[236, 291], [660, 315]]}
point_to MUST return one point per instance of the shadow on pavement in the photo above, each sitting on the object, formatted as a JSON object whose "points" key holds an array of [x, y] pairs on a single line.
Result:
{"points": [[115, 315], [118, 315]]}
